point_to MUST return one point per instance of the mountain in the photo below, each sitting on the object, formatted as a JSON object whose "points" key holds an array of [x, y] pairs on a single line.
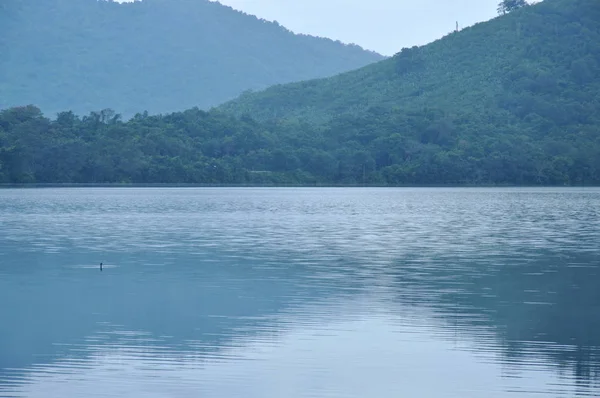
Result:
{"points": [[512, 101], [542, 61], [153, 55]]}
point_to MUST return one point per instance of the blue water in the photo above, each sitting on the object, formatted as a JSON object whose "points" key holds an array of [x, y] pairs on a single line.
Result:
{"points": [[299, 292]]}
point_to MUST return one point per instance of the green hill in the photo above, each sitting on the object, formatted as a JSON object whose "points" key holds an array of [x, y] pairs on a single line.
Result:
{"points": [[512, 101], [540, 61], [154, 55]]}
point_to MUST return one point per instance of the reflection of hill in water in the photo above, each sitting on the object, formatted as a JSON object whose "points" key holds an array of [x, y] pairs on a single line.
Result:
{"points": [[198, 274], [545, 306], [536, 309], [199, 302]]}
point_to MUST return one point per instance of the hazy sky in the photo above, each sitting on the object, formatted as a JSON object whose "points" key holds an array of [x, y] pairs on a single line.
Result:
{"points": [[381, 25], [384, 26]]}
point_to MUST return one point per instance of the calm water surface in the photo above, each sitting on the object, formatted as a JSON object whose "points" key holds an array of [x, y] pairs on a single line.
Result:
{"points": [[299, 293]]}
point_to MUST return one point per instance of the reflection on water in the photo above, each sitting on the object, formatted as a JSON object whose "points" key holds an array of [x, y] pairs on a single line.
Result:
{"points": [[300, 292]]}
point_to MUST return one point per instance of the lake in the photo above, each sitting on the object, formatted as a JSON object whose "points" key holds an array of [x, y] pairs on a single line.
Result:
{"points": [[348, 292]]}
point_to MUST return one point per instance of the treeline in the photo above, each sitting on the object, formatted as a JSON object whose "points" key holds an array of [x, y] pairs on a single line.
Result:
{"points": [[381, 147], [512, 101]]}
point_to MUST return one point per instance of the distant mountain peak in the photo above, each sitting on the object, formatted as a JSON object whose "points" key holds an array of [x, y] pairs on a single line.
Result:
{"points": [[155, 55]]}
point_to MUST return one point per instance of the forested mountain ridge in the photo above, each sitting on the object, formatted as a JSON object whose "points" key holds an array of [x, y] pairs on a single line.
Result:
{"points": [[541, 60], [151, 55], [484, 115]]}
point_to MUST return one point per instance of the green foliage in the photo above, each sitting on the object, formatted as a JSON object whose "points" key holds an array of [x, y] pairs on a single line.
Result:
{"points": [[151, 55], [381, 147], [512, 101], [507, 6], [536, 60]]}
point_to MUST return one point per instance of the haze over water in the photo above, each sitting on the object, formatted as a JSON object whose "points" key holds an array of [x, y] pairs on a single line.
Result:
{"points": [[299, 292]]}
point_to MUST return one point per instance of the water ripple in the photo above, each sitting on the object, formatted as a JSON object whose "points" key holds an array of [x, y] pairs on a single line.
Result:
{"points": [[300, 292]]}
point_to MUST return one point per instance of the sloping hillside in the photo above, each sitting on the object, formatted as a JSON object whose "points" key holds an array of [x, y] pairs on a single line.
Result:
{"points": [[513, 101], [154, 55], [543, 61]]}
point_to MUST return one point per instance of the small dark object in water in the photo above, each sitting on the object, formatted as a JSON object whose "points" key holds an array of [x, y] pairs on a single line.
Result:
{"points": [[100, 266]]}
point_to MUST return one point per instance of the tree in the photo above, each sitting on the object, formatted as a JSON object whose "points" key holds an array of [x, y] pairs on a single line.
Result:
{"points": [[507, 6]]}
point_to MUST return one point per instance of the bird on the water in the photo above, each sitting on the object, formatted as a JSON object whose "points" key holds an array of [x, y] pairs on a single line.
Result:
{"points": [[100, 266]]}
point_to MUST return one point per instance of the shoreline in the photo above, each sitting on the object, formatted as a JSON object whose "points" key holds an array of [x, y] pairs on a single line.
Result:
{"points": [[215, 185]]}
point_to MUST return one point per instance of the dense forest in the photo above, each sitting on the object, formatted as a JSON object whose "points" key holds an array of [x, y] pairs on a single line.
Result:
{"points": [[379, 148], [541, 61], [154, 55], [512, 101]]}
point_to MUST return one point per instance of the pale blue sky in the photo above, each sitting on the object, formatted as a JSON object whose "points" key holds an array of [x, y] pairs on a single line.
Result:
{"points": [[384, 26], [381, 25]]}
